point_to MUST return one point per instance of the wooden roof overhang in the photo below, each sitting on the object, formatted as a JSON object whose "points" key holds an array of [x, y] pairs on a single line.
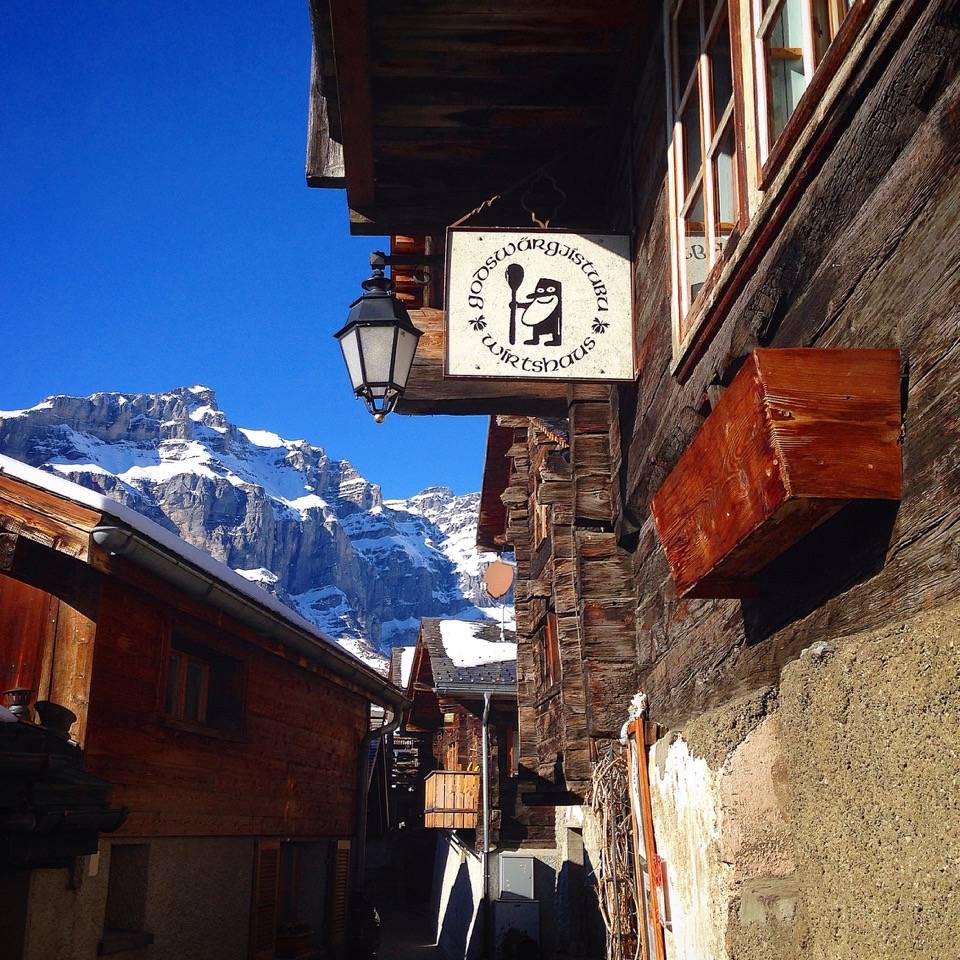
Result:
{"points": [[492, 525], [425, 109], [425, 713], [72, 563]]}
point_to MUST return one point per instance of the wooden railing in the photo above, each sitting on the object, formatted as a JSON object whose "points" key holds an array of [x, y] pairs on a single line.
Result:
{"points": [[451, 798]]}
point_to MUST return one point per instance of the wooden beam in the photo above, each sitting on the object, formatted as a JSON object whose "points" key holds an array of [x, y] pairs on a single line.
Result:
{"points": [[351, 53], [324, 154], [798, 433]]}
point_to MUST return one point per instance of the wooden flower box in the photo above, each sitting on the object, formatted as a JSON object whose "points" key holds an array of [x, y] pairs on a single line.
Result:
{"points": [[799, 433]]}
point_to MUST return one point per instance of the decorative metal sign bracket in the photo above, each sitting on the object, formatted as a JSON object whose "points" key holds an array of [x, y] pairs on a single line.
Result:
{"points": [[529, 201], [379, 260]]}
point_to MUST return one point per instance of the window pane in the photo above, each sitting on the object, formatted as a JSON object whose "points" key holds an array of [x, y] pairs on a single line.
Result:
{"points": [[686, 43], [193, 695], [821, 28], [692, 155], [376, 345], [785, 77], [695, 237], [173, 681], [725, 177], [721, 71], [827, 17]]}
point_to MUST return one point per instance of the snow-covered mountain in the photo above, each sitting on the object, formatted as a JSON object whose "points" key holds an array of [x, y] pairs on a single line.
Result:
{"points": [[307, 528]]}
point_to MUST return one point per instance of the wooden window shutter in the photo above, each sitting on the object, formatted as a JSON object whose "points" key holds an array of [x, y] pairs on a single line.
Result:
{"points": [[263, 915], [339, 893]]}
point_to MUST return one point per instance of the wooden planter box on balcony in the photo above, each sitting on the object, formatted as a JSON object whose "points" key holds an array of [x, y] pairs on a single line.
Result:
{"points": [[799, 433], [451, 800]]}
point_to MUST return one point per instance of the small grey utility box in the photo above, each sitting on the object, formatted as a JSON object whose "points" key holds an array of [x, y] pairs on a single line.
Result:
{"points": [[516, 877]]}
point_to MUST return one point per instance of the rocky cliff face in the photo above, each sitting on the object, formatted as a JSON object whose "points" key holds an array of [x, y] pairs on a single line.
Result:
{"points": [[283, 514]]}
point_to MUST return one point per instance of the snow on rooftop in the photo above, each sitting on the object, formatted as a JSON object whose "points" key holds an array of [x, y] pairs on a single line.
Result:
{"points": [[258, 575], [238, 582], [466, 648], [406, 665]]}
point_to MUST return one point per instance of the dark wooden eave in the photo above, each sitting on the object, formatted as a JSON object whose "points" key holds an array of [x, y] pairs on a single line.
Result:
{"points": [[439, 104], [492, 525]]}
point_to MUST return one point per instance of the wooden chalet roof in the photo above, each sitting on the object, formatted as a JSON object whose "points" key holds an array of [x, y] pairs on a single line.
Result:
{"points": [[424, 109], [556, 428], [54, 511], [447, 675], [393, 674]]}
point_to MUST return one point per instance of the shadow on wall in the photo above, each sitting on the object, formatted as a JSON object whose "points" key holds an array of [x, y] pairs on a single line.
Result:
{"points": [[579, 924], [845, 550], [457, 941]]}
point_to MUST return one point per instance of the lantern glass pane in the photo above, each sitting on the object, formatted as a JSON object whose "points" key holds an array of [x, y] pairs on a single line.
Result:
{"points": [[377, 346], [406, 348], [349, 344]]}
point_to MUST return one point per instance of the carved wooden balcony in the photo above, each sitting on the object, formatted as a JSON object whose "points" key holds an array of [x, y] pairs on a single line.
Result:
{"points": [[799, 433], [451, 799]]}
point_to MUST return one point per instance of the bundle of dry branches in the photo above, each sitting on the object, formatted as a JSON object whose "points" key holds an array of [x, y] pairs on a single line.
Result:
{"points": [[616, 881]]}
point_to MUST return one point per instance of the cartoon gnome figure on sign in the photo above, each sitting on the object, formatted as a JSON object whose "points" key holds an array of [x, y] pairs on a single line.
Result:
{"points": [[543, 314]]}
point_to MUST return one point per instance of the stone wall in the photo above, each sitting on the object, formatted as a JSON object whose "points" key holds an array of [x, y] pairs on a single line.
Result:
{"points": [[821, 818]]}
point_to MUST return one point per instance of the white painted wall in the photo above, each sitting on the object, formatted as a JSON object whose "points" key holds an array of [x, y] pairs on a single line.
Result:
{"points": [[458, 892], [686, 804]]}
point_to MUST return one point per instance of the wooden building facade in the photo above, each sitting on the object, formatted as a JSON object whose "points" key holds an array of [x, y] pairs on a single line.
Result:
{"points": [[447, 688], [760, 532], [226, 728]]}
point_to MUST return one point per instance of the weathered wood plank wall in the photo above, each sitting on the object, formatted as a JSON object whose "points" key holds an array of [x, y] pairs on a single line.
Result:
{"points": [[865, 253], [292, 772]]}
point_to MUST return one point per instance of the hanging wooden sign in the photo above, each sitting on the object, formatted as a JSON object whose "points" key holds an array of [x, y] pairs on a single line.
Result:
{"points": [[538, 305]]}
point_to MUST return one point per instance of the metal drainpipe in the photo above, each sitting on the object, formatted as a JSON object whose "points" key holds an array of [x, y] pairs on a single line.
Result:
{"points": [[363, 788], [485, 787]]}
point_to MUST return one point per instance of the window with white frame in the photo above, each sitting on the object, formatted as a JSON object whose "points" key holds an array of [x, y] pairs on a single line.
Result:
{"points": [[703, 157], [737, 71], [791, 40]]}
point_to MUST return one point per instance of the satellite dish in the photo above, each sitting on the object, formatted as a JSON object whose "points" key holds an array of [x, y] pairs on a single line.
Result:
{"points": [[498, 579]]}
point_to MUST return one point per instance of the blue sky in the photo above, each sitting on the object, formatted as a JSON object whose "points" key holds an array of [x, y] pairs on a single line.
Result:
{"points": [[156, 230]]}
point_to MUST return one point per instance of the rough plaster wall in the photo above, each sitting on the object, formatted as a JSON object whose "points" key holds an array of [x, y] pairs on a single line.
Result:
{"points": [[871, 728], [822, 823], [199, 898], [686, 803], [759, 845], [65, 924], [198, 904], [576, 923]]}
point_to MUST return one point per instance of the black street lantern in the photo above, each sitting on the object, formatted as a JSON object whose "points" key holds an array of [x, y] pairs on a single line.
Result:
{"points": [[378, 343]]}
